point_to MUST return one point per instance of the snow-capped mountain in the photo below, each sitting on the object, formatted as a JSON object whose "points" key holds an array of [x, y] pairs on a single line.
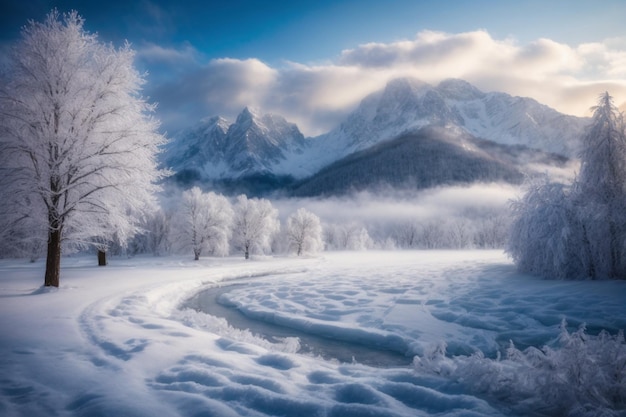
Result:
{"points": [[267, 146], [406, 105], [428, 157], [254, 144], [197, 147]]}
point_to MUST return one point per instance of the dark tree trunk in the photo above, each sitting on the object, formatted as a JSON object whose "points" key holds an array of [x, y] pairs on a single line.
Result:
{"points": [[247, 252], [196, 255], [102, 258], [53, 259]]}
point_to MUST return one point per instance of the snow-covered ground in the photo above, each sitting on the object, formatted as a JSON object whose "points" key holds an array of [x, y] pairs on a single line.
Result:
{"points": [[113, 342]]}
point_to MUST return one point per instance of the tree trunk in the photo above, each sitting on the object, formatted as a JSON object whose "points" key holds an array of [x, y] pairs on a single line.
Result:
{"points": [[102, 258], [196, 255], [53, 259], [247, 252]]}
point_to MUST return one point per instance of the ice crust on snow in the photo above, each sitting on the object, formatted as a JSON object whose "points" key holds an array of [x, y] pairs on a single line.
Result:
{"points": [[113, 341]]}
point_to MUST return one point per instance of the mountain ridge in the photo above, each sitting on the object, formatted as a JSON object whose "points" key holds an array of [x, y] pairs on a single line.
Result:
{"points": [[257, 146], [215, 149]]}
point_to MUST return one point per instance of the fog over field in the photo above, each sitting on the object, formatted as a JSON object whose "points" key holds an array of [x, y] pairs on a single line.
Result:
{"points": [[406, 205]]}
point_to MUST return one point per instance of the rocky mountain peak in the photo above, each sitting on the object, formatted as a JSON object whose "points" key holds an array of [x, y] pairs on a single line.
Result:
{"points": [[456, 89], [253, 144]]}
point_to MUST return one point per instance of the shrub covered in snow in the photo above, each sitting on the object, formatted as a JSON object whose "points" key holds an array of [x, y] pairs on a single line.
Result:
{"points": [[583, 375]]}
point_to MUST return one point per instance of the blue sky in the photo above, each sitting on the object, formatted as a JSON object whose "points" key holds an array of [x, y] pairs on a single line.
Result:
{"points": [[313, 61]]}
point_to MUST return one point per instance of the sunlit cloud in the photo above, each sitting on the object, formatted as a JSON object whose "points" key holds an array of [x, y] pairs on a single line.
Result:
{"points": [[318, 97], [236, 83], [607, 58], [222, 87]]}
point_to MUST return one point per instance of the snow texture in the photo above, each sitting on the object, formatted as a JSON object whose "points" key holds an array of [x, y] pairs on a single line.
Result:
{"points": [[113, 341]]}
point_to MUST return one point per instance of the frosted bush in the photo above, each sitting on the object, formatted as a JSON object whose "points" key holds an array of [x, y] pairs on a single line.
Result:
{"points": [[583, 375]]}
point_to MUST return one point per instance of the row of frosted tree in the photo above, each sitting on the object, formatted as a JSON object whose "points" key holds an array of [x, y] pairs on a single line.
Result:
{"points": [[207, 223]]}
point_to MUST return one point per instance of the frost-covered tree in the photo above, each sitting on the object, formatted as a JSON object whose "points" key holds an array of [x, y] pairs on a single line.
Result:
{"points": [[256, 221], [304, 232], [351, 236], [492, 230], [406, 234], [77, 143], [155, 235], [579, 231], [204, 222], [544, 235], [600, 191], [432, 235], [459, 234], [358, 238], [20, 236]]}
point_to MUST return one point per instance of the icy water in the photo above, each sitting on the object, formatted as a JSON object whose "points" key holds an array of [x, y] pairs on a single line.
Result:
{"points": [[207, 301]]}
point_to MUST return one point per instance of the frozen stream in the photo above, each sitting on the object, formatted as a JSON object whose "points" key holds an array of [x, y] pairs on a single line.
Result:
{"points": [[208, 301]]}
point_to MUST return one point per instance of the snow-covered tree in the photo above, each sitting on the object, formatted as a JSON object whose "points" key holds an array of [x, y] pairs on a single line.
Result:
{"points": [[204, 222], [600, 191], [304, 232], [155, 235], [256, 221], [406, 234], [351, 236], [544, 235], [579, 231], [77, 143], [20, 235], [432, 235]]}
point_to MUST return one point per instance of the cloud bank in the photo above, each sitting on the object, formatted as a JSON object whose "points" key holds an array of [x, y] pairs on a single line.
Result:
{"points": [[317, 97], [405, 206]]}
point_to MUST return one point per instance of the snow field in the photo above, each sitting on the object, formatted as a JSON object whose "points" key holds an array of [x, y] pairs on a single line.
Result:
{"points": [[407, 303], [112, 341]]}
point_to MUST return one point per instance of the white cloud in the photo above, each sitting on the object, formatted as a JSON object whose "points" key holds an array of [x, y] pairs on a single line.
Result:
{"points": [[318, 97], [221, 87], [607, 58], [235, 83]]}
